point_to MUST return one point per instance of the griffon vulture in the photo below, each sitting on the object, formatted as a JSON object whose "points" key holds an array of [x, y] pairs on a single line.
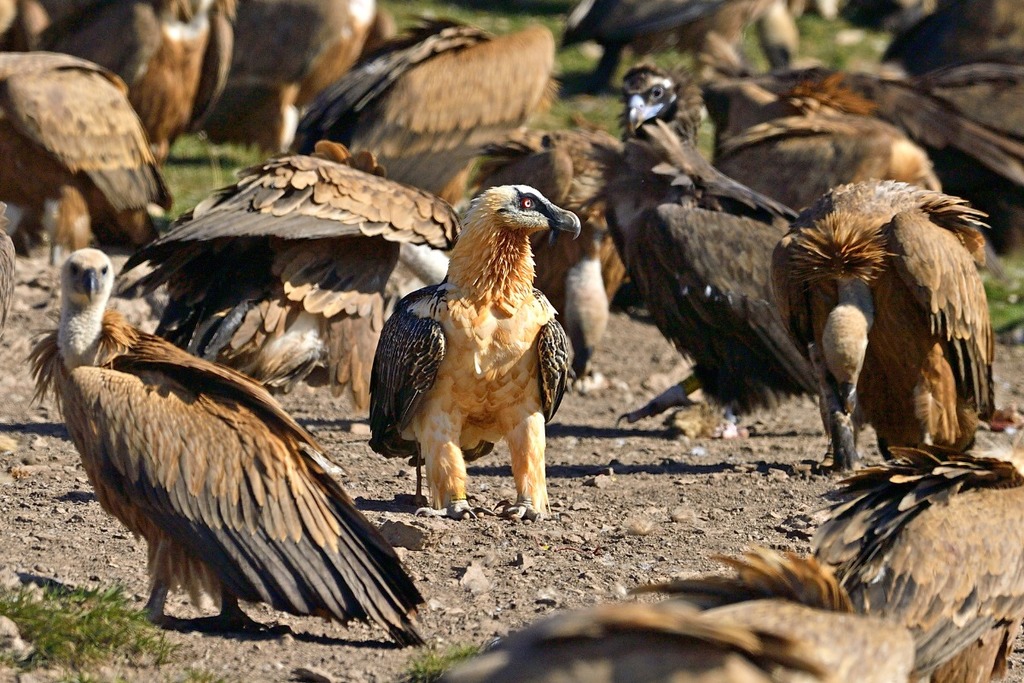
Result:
{"points": [[968, 118], [878, 285], [579, 277], [823, 135], [285, 53], [74, 158], [960, 31], [478, 358], [781, 618], [648, 25], [229, 493], [697, 245], [6, 269], [173, 54], [935, 544], [427, 102], [284, 273]]}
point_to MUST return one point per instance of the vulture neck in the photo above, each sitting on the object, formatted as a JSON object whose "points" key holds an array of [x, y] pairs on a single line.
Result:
{"points": [[492, 265], [845, 337], [79, 334]]}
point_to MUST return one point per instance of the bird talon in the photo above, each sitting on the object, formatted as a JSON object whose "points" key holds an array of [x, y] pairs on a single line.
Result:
{"points": [[457, 510], [522, 509]]}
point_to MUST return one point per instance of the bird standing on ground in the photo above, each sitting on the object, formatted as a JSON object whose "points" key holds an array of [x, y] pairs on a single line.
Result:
{"points": [[229, 493], [311, 242], [477, 358], [173, 54], [935, 543], [697, 245], [579, 277], [74, 159], [878, 284], [427, 102]]}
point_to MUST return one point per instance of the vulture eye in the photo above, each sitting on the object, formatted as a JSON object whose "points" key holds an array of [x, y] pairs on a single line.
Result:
{"points": [[74, 269], [103, 271], [526, 203], [657, 92]]}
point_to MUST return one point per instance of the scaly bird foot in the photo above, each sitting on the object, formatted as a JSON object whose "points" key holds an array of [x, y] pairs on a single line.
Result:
{"points": [[674, 396], [844, 446], [457, 509], [522, 509]]}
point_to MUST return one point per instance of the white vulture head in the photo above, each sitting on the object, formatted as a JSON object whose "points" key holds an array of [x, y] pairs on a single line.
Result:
{"points": [[87, 279]]}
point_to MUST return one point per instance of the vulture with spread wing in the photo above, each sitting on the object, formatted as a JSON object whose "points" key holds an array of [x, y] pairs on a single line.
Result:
{"points": [[579, 277], [697, 244], [878, 284], [173, 54], [285, 53], [477, 358], [935, 544], [74, 159], [284, 273], [777, 619], [822, 135], [230, 494], [426, 103], [967, 117]]}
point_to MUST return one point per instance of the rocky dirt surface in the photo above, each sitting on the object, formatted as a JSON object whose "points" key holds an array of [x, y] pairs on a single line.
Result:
{"points": [[632, 503]]}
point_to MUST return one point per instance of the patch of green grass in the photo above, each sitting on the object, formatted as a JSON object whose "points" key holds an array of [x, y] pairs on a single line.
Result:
{"points": [[431, 664], [80, 629], [199, 676], [196, 167], [1006, 295]]}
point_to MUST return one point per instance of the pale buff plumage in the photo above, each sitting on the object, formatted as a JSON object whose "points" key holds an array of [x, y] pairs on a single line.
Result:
{"points": [[229, 493], [476, 359]]}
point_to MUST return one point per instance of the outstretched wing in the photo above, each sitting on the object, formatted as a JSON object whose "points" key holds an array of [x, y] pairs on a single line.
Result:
{"points": [[211, 460], [410, 351]]}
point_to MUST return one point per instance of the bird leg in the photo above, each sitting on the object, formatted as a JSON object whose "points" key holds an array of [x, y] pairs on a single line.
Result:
{"points": [[526, 445], [446, 475], [676, 396]]}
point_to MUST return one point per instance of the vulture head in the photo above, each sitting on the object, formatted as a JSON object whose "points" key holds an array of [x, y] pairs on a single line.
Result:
{"points": [[87, 279], [649, 92], [519, 208]]}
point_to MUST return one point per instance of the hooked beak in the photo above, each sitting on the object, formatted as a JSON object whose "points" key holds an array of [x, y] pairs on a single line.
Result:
{"points": [[563, 221], [848, 397], [90, 282], [639, 111]]}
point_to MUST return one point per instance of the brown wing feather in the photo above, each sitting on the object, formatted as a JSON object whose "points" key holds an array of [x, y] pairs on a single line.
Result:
{"points": [[944, 279], [78, 112], [244, 491], [907, 539], [216, 65], [6, 269], [553, 352]]}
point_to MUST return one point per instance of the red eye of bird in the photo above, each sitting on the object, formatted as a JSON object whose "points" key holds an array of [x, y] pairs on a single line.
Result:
{"points": [[526, 203]]}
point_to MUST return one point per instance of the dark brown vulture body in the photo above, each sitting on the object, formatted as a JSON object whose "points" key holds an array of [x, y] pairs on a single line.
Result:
{"points": [[968, 118], [230, 494], [935, 544], [6, 270], [579, 277], [310, 242], [285, 53], [823, 136], [960, 31], [649, 25], [779, 619], [427, 103], [881, 278], [173, 54], [73, 154], [697, 245]]}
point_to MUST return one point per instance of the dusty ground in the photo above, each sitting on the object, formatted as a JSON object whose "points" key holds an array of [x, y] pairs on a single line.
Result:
{"points": [[667, 507]]}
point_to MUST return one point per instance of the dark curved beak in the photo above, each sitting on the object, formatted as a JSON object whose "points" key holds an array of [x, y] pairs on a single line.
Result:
{"points": [[638, 112], [90, 282], [561, 220]]}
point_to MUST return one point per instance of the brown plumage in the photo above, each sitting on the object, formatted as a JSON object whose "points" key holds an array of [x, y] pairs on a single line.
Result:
{"points": [[579, 277], [966, 117], [878, 284], [70, 140], [477, 358], [935, 544], [778, 619], [230, 494], [823, 135], [697, 245], [285, 53], [960, 31], [6, 269], [427, 102], [649, 25], [173, 54], [311, 242]]}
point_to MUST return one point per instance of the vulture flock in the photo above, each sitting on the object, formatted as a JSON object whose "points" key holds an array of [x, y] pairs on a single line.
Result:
{"points": [[411, 241]]}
